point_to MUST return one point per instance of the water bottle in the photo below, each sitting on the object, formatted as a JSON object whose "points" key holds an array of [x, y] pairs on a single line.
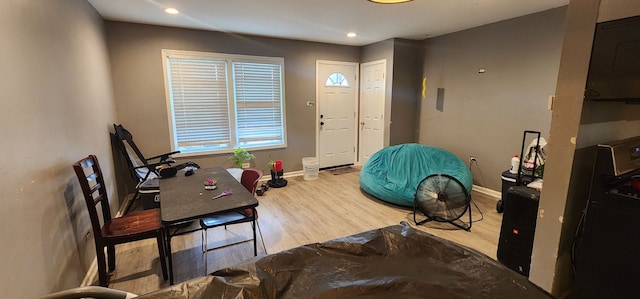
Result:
{"points": [[515, 163]]}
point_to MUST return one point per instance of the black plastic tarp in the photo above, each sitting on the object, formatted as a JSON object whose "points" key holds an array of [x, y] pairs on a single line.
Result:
{"points": [[392, 262]]}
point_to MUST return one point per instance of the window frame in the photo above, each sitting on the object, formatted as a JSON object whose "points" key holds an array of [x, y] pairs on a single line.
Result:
{"points": [[344, 79], [231, 99]]}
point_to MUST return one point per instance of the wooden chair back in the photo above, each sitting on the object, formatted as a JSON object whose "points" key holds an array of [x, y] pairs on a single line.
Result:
{"points": [[93, 188]]}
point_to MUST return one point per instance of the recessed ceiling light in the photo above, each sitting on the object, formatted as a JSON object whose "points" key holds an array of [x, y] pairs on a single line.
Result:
{"points": [[171, 10], [389, 1], [351, 34]]}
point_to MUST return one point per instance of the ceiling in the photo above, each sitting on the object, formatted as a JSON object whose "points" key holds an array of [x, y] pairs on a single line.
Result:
{"points": [[326, 20]]}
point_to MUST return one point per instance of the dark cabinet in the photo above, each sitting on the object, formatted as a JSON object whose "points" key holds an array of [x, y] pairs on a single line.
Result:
{"points": [[608, 254], [614, 70]]}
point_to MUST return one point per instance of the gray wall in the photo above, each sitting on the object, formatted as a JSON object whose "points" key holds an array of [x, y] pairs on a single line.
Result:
{"points": [[138, 82], [405, 94], [485, 115], [577, 126], [57, 109]]}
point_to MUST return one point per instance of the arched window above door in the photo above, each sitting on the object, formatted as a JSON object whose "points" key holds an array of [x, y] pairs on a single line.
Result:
{"points": [[337, 80]]}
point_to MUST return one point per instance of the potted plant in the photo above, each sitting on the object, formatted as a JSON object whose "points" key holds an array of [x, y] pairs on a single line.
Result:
{"points": [[241, 158]]}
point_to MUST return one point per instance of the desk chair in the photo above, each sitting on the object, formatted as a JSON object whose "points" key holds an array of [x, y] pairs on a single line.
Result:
{"points": [[249, 180], [131, 227]]}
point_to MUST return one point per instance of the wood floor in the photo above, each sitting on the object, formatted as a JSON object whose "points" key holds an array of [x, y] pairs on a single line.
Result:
{"points": [[302, 212]]}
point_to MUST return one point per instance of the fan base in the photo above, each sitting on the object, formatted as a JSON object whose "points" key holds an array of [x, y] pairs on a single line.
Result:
{"points": [[465, 226]]}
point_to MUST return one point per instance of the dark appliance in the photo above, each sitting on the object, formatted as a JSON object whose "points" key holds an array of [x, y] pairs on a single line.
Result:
{"points": [[520, 206], [607, 246], [614, 70]]}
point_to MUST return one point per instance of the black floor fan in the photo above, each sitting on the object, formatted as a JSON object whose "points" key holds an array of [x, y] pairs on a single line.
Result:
{"points": [[442, 198]]}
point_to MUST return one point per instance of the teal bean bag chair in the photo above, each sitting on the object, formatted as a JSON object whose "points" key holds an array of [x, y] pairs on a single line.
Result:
{"points": [[393, 173]]}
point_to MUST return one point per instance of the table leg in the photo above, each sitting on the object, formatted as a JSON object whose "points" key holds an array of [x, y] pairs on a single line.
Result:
{"points": [[255, 243], [168, 245]]}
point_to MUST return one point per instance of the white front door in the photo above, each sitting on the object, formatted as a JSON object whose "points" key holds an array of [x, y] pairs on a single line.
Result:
{"points": [[336, 87], [372, 100]]}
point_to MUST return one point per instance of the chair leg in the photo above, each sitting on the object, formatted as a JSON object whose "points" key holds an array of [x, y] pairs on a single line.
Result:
{"points": [[102, 267], [162, 252], [111, 256]]}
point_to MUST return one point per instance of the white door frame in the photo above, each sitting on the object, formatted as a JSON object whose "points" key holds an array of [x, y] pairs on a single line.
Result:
{"points": [[356, 85]]}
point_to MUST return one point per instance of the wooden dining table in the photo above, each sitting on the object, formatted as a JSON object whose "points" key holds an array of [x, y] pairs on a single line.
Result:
{"points": [[184, 199]]}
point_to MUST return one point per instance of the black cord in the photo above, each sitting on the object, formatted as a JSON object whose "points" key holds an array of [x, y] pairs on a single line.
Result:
{"points": [[575, 239], [471, 162]]}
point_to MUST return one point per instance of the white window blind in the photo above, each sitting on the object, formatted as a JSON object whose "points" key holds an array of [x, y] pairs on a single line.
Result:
{"points": [[258, 104], [219, 102], [200, 103]]}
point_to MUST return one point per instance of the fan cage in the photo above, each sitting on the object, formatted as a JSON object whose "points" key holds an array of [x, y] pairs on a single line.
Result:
{"points": [[439, 198]]}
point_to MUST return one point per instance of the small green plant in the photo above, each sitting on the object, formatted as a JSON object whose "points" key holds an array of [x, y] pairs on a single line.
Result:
{"points": [[270, 164], [240, 155]]}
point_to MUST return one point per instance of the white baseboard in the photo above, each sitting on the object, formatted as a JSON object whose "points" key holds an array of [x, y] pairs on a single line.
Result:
{"points": [[293, 173], [267, 177], [486, 191]]}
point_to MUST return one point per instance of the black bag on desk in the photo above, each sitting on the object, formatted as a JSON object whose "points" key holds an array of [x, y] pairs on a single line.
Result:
{"points": [[518, 228], [150, 194]]}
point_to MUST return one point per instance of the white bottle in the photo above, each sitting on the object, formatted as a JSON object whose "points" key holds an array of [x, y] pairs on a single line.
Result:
{"points": [[515, 163]]}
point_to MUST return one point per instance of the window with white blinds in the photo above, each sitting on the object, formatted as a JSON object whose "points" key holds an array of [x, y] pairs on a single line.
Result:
{"points": [[219, 102]]}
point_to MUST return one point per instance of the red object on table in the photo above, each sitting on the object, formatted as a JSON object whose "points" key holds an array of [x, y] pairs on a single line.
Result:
{"points": [[278, 165]]}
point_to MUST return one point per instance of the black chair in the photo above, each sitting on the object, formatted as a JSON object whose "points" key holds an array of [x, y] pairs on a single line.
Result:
{"points": [[249, 180], [131, 227], [141, 168], [146, 171]]}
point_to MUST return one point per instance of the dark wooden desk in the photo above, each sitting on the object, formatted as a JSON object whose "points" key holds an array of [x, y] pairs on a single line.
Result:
{"points": [[184, 199]]}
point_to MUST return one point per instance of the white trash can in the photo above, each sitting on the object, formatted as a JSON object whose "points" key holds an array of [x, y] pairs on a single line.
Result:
{"points": [[311, 167]]}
